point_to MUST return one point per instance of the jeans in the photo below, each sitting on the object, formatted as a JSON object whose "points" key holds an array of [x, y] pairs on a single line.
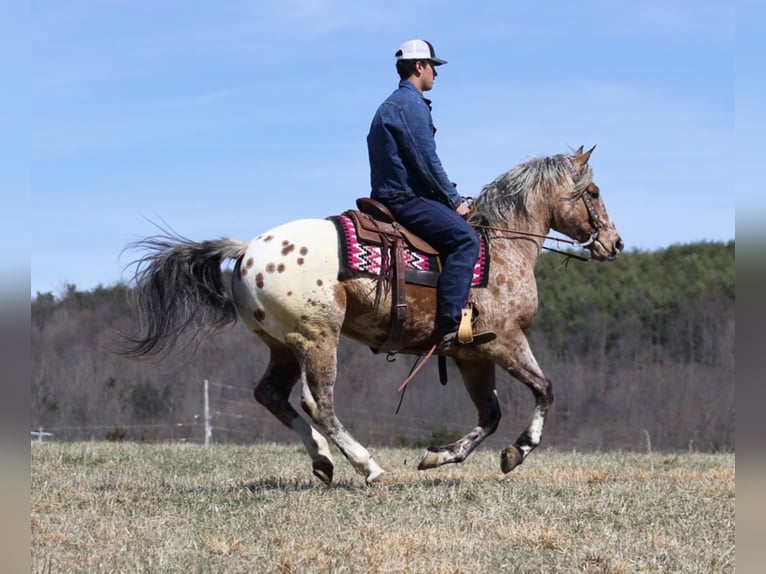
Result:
{"points": [[458, 244]]}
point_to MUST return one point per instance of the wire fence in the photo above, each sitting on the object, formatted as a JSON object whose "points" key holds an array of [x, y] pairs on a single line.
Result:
{"points": [[229, 414]]}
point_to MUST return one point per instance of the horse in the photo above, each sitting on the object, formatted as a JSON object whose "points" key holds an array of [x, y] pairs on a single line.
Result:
{"points": [[287, 287]]}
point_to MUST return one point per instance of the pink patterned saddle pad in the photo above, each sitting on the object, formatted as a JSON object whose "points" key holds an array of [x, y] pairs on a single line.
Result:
{"points": [[421, 268]]}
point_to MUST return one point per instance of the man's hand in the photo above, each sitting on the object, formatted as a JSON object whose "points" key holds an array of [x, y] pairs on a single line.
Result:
{"points": [[466, 208]]}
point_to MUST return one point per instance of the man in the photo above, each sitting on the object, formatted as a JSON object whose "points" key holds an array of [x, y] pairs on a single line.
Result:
{"points": [[407, 176]]}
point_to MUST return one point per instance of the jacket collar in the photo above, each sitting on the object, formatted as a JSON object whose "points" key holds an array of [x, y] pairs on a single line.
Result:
{"points": [[410, 86]]}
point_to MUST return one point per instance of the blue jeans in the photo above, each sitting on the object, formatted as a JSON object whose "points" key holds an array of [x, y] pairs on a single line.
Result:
{"points": [[458, 245]]}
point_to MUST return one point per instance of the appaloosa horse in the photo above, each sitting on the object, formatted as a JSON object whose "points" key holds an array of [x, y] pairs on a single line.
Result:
{"points": [[288, 288]]}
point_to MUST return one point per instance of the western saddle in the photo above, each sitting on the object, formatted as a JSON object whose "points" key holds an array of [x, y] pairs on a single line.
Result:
{"points": [[375, 224]]}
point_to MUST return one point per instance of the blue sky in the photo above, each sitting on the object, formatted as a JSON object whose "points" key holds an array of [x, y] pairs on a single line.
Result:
{"points": [[230, 117]]}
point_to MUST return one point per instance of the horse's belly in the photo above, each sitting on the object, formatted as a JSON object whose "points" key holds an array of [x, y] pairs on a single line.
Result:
{"points": [[288, 279]]}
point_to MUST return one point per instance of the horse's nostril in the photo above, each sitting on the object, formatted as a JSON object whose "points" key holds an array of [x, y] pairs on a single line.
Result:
{"points": [[619, 245]]}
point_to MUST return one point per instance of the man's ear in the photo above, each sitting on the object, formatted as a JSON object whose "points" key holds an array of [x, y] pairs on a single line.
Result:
{"points": [[419, 67]]}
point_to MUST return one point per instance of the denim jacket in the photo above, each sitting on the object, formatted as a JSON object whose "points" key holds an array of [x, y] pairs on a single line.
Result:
{"points": [[402, 150]]}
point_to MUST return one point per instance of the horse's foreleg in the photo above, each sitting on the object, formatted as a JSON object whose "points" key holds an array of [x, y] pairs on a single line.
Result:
{"points": [[528, 372], [479, 380], [320, 368], [273, 392]]}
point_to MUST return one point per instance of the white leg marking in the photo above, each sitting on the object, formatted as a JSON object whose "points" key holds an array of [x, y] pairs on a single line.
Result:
{"points": [[536, 428]]}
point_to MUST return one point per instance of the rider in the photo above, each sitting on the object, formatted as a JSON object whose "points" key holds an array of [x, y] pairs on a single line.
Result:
{"points": [[407, 176]]}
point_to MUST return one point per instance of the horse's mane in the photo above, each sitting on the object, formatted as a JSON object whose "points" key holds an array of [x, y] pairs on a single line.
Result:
{"points": [[510, 192]]}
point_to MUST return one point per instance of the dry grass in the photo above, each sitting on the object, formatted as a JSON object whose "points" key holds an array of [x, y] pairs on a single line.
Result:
{"points": [[99, 507]]}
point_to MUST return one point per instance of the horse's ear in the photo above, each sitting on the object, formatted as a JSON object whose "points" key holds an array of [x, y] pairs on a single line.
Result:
{"points": [[580, 158]]}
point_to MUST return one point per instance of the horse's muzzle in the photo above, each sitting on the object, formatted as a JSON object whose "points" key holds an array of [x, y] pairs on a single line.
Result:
{"points": [[600, 251]]}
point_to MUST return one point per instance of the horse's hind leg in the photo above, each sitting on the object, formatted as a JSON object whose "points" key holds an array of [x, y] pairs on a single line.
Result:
{"points": [[319, 362], [479, 380], [273, 392]]}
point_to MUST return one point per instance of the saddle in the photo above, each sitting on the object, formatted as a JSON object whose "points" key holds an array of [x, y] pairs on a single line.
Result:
{"points": [[376, 225], [374, 221]]}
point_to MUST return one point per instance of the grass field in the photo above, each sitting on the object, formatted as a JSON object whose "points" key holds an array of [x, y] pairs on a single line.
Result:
{"points": [[125, 507]]}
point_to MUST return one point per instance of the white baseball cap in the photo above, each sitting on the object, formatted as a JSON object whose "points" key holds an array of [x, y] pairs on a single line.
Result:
{"points": [[418, 50]]}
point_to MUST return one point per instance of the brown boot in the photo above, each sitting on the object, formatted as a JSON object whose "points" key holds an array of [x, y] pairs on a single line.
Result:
{"points": [[450, 341]]}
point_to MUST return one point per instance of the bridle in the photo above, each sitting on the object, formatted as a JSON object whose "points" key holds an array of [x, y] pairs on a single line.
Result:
{"points": [[593, 218], [596, 222]]}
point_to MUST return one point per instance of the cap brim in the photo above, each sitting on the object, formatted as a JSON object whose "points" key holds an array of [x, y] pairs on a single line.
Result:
{"points": [[437, 61]]}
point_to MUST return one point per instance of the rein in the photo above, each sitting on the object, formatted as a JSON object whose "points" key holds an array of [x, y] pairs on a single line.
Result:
{"points": [[526, 233], [567, 255], [591, 239]]}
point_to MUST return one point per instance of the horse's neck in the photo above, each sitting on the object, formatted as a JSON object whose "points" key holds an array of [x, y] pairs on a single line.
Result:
{"points": [[523, 235], [515, 246]]}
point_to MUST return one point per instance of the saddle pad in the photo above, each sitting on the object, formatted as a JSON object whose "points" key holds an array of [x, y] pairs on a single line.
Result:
{"points": [[366, 258]]}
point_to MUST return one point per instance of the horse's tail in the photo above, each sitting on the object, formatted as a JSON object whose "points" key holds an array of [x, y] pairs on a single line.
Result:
{"points": [[179, 284]]}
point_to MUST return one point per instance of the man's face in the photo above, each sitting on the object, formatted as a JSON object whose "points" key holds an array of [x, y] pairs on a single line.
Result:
{"points": [[428, 75]]}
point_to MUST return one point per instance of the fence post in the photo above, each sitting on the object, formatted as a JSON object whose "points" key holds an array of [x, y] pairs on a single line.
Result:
{"points": [[39, 433], [208, 428]]}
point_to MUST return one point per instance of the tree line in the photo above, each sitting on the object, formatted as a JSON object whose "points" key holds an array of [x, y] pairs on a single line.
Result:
{"points": [[640, 353]]}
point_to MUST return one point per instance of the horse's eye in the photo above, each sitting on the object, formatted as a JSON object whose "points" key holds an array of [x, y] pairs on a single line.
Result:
{"points": [[593, 191]]}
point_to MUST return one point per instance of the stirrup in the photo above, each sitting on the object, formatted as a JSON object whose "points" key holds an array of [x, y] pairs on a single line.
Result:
{"points": [[451, 341]]}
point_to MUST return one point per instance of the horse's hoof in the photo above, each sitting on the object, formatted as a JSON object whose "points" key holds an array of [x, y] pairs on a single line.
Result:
{"points": [[379, 478], [430, 459], [323, 469], [510, 458]]}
